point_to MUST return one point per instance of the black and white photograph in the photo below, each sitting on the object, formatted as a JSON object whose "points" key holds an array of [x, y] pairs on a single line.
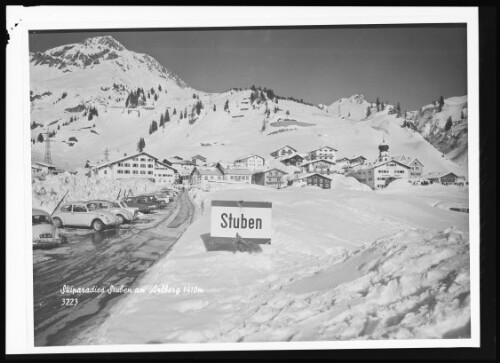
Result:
{"points": [[255, 184]]}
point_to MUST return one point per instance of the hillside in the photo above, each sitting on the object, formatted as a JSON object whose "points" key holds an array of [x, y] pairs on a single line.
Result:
{"points": [[452, 140], [98, 76]]}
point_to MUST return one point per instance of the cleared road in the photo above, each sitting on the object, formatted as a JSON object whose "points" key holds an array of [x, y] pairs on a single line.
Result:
{"points": [[96, 261]]}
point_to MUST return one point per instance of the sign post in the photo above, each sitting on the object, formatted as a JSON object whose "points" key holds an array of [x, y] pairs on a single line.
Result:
{"points": [[248, 220]]}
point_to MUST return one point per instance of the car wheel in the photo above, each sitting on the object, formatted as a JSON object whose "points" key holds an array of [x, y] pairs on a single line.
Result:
{"points": [[121, 218], [97, 225], [57, 222]]}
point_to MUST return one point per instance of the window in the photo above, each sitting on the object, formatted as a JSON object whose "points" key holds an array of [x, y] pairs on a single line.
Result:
{"points": [[135, 165], [120, 171], [105, 171], [143, 159], [127, 171], [66, 208], [143, 165], [150, 165], [79, 208], [40, 220], [150, 172], [135, 172], [120, 164], [127, 164]]}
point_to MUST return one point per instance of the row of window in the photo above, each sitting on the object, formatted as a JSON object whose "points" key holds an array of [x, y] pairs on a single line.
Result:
{"points": [[127, 165], [119, 171]]}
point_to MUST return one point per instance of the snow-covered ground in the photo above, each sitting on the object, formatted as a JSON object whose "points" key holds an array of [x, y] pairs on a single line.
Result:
{"points": [[343, 264]]}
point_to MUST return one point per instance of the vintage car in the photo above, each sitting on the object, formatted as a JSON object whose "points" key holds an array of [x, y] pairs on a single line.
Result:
{"points": [[142, 203], [134, 210], [44, 231], [77, 214], [150, 197], [160, 197], [113, 207]]}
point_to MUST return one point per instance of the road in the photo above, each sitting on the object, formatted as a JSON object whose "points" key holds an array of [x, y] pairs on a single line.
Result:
{"points": [[117, 257]]}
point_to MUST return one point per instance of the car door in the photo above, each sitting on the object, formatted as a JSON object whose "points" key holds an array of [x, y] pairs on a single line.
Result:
{"points": [[64, 214], [81, 216]]}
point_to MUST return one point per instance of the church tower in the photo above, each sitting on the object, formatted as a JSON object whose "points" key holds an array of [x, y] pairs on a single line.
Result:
{"points": [[383, 152]]}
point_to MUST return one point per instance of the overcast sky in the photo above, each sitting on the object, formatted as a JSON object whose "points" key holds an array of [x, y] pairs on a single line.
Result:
{"points": [[410, 65]]}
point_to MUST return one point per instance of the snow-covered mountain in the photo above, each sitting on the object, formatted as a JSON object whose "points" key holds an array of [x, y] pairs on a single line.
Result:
{"points": [[445, 126], [83, 93]]}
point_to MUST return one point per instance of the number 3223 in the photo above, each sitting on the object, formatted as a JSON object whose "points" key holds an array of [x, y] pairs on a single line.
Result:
{"points": [[69, 302]]}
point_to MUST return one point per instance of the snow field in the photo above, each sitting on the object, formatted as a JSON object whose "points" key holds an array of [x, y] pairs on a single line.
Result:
{"points": [[341, 265]]}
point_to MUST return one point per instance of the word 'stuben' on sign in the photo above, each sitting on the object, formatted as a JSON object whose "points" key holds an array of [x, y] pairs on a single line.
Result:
{"points": [[248, 220]]}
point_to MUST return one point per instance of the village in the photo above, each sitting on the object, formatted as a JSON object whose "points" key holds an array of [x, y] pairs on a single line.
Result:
{"points": [[284, 167]]}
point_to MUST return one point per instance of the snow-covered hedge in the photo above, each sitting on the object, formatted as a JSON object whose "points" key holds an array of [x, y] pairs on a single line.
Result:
{"points": [[47, 193]]}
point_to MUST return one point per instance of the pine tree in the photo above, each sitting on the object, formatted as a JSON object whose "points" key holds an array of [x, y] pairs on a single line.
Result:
{"points": [[167, 116], [40, 138], [162, 121], [226, 105], [159, 87], [141, 145], [462, 116], [181, 116], [368, 112], [215, 109], [449, 124], [440, 103], [175, 112]]}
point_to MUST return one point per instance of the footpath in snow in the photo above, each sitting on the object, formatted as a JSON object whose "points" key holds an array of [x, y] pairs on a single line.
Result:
{"points": [[343, 264]]}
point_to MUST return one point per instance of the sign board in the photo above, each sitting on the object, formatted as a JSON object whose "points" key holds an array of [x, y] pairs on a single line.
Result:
{"points": [[250, 220]]}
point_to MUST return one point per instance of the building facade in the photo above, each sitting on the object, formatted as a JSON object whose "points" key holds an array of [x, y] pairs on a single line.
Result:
{"points": [[251, 162], [294, 159], [212, 174], [313, 179], [285, 150], [321, 166], [141, 165], [324, 153], [272, 177]]}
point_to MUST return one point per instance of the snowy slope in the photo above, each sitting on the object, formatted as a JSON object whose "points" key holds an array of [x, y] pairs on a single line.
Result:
{"points": [[343, 264], [430, 121], [218, 135]]}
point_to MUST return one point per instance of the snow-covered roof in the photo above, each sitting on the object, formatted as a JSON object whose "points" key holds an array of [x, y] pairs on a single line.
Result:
{"points": [[248, 156], [238, 171], [275, 151], [322, 147], [271, 169], [44, 164], [208, 171], [286, 157], [319, 160], [307, 175], [126, 158]]}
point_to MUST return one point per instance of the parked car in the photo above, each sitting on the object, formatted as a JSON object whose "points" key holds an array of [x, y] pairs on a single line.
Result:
{"points": [[134, 210], [45, 233], [159, 196], [113, 207], [142, 203], [76, 214], [160, 204]]}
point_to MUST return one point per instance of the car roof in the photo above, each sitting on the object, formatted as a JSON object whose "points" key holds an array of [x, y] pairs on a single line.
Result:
{"points": [[39, 212], [99, 201]]}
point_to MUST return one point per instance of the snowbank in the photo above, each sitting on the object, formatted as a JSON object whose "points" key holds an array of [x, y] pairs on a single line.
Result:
{"points": [[322, 278], [340, 181], [47, 193]]}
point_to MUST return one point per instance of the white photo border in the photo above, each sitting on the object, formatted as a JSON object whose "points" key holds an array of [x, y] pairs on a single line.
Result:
{"points": [[19, 267]]}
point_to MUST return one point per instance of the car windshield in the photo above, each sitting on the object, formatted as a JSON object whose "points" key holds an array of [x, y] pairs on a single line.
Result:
{"points": [[116, 205], [41, 220]]}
